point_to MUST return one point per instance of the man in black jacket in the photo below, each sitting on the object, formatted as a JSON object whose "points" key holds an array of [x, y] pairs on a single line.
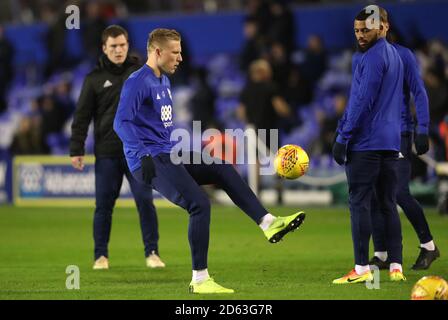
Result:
{"points": [[98, 100]]}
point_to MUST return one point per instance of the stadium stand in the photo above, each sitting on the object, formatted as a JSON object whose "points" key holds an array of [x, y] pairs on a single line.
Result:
{"points": [[311, 66]]}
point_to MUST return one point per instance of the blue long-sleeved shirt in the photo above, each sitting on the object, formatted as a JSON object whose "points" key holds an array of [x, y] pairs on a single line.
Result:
{"points": [[372, 119], [144, 118], [413, 83]]}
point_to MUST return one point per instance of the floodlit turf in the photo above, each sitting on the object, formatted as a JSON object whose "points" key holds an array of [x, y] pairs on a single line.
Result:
{"points": [[37, 244]]}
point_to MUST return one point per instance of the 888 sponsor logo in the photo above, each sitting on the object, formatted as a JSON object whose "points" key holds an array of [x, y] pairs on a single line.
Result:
{"points": [[166, 115]]}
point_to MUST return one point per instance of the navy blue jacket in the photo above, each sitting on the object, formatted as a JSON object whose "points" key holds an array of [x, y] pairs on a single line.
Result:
{"points": [[372, 119], [144, 118], [413, 83]]}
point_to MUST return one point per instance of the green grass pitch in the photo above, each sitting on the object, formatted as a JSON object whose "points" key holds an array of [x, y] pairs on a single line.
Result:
{"points": [[37, 244]]}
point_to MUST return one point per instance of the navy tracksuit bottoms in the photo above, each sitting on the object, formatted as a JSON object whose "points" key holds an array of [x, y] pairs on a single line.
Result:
{"points": [[370, 173], [180, 183], [405, 200], [109, 174]]}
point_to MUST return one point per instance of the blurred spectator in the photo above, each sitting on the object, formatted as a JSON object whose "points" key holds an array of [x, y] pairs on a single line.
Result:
{"points": [[433, 55], [281, 27], [63, 99], [298, 91], [114, 9], [258, 10], [438, 55], [329, 123], [53, 118], [203, 100], [25, 11], [267, 24], [27, 139], [55, 40], [6, 71], [260, 101], [93, 26], [436, 87], [315, 62], [254, 44], [281, 66], [443, 131]]}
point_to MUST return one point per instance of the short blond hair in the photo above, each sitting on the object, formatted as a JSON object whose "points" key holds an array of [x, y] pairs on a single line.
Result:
{"points": [[160, 36]]}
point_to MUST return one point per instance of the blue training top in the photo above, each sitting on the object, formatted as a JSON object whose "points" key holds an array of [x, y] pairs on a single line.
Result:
{"points": [[372, 119], [144, 118], [413, 83]]}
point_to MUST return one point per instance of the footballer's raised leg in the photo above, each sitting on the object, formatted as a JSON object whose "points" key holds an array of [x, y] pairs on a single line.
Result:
{"points": [[175, 183], [226, 177]]}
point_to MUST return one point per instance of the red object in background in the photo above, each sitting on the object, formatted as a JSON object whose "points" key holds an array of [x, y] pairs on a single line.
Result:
{"points": [[222, 147], [443, 130], [108, 11]]}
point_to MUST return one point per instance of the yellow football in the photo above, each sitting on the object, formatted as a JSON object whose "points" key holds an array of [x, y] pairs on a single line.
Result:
{"points": [[291, 162], [430, 288]]}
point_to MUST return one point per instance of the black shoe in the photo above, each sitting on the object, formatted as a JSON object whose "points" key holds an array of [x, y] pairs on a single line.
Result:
{"points": [[425, 258], [382, 265]]}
